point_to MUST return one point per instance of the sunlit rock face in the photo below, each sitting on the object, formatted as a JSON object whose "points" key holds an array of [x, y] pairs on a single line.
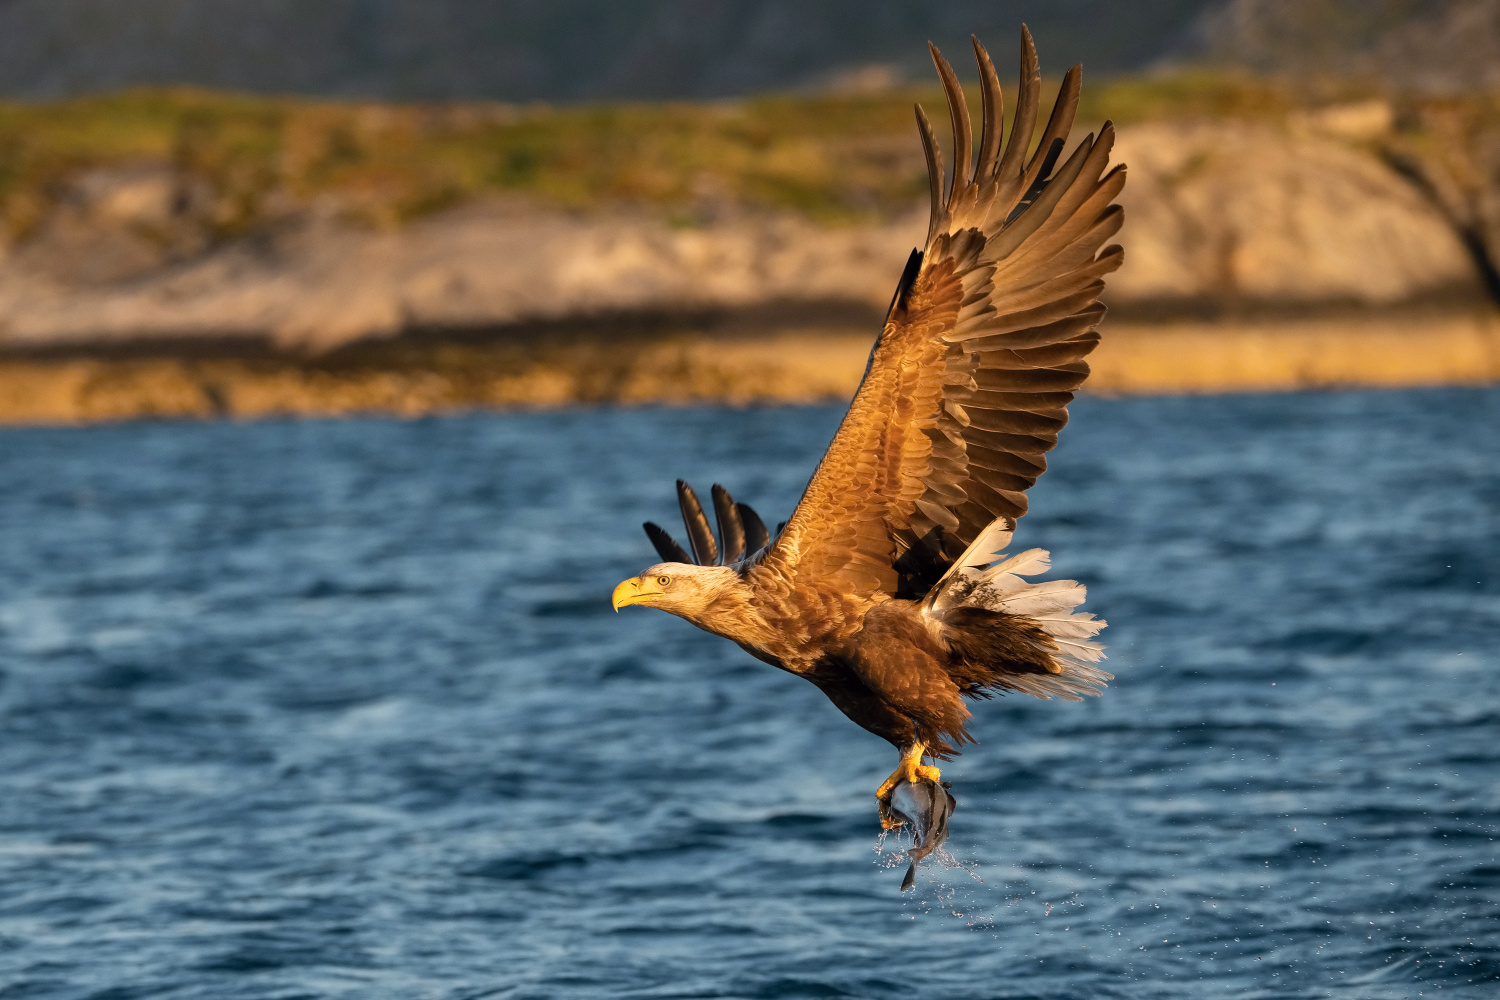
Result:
{"points": [[1229, 212], [115, 224], [318, 282]]}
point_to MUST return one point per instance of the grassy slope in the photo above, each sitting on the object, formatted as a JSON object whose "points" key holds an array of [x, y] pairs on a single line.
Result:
{"points": [[831, 157], [247, 160]]}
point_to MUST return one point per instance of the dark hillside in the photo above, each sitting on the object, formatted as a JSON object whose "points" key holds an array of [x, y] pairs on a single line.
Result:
{"points": [[1434, 45], [520, 50], [567, 50]]}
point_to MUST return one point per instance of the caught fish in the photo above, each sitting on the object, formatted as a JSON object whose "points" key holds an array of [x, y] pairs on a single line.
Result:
{"points": [[924, 806]]}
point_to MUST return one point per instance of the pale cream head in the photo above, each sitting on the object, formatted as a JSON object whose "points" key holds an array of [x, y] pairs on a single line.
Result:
{"points": [[678, 588]]}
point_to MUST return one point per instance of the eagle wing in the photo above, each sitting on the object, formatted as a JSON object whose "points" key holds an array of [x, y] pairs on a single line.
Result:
{"points": [[969, 381]]}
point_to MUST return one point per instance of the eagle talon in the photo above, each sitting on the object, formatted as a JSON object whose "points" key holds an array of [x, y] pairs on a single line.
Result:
{"points": [[911, 769]]}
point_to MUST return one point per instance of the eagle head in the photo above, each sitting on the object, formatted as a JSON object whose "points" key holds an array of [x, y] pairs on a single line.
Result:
{"points": [[679, 588]]}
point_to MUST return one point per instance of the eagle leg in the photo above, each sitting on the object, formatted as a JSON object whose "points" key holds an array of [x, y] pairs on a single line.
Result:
{"points": [[910, 769]]}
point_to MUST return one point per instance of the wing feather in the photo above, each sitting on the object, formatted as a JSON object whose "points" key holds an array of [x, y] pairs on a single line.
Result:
{"points": [[731, 528], [986, 341], [700, 535], [1028, 100], [958, 114], [993, 113], [666, 546], [756, 535]]}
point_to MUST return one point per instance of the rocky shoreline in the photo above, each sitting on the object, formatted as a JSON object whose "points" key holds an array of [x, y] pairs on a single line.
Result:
{"points": [[444, 373]]}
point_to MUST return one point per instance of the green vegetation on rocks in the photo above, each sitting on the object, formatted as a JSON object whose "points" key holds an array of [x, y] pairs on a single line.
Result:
{"points": [[244, 159]]}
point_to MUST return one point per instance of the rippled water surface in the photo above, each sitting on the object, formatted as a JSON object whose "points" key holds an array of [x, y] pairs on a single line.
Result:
{"points": [[339, 709]]}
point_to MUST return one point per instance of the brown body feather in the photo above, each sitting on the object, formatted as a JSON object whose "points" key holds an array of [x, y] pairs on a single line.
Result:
{"points": [[966, 390]]}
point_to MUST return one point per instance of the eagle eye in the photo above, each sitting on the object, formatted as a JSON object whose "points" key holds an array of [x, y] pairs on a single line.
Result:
{"points": [[664, 580]]}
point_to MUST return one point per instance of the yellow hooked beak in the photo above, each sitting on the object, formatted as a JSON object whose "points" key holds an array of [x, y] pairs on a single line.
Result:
{"points": [[634, 591]]}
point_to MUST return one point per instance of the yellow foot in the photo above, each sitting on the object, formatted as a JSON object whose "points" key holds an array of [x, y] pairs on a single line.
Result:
{"points": [[910, 769]]}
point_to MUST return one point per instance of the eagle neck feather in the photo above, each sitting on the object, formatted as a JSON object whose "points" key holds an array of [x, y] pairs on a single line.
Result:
{"points": [[792, 629]]}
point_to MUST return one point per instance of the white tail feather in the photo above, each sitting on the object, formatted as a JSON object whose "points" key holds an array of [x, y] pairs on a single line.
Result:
{"points": [[1089, 652], [1041, 599], [1066, 627], [1028, 563], [977, 579], [961, 577]]}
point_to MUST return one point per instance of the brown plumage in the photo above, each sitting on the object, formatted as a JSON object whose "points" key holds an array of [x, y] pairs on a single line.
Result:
{"points": [[886, 587]]}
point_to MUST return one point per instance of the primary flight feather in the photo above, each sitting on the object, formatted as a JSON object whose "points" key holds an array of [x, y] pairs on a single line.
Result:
{"points": [[887, 587]]}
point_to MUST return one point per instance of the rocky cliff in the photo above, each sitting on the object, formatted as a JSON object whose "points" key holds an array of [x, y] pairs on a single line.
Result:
{"points": [[1220, 216]]}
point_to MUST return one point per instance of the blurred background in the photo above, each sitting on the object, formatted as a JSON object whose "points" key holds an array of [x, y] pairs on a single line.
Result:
{"points": [[326, 699], [367, 205]]}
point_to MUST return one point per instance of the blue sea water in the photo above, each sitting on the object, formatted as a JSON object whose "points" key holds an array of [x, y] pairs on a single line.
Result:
{"points": [[340, 709]]}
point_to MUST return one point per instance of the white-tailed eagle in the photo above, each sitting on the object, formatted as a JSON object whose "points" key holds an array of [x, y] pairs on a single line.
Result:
{"points": [[887, 588]]}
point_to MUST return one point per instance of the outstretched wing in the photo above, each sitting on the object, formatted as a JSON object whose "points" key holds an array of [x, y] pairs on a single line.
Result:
{"points": [[969, 381]]}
